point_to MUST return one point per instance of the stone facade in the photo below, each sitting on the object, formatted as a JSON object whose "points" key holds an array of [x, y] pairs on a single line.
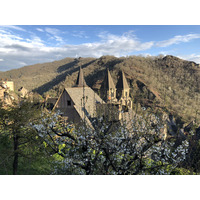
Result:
{"points": [[23, 92], [5, 88], [117, 96], [108, 89], [123, 91], [8, 84], [80, 102], [2, 90], [66, 105]]}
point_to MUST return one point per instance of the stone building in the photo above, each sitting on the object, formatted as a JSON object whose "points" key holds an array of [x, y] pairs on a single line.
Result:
{"points": [[7, 84], [117, 97], [81, 103], [6, 88], [2, 91], [108, 89], [78, 103], [123, 91], [23, 92], [119, 94]]}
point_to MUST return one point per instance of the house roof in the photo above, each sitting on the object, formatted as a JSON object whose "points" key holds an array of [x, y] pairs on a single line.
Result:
{"points": [[78, 95], [108, 82], [80, 82], [122, 82], [81, 96]]}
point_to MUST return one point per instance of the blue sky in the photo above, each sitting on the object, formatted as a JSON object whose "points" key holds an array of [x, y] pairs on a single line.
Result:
{"points": [[30, 44]]}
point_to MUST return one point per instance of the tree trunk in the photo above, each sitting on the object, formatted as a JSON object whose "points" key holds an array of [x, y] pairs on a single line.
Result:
{"points": [[16, 154]]}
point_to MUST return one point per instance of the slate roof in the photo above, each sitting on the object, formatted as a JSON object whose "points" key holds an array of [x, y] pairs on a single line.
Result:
{"points": [[122, 82], [77, 95]]}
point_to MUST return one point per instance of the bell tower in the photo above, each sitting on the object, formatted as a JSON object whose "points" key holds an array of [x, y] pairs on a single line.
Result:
{"points": [[123, 91], [80, 82], [108, 89]]}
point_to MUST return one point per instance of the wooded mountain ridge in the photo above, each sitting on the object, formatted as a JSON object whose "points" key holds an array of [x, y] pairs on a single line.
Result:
{"points": [[166, 80]]}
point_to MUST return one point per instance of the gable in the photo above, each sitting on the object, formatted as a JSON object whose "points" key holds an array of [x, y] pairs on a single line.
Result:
{"points": [[64, 100], [87, 96]]}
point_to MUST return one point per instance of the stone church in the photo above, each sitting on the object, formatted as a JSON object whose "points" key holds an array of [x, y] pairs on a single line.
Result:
{"points": [[80, 102]]}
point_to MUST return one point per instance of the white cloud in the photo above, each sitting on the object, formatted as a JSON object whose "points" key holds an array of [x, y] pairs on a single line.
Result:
{"points": [[40, 29], [146, 55], [79, 34], [191, 57], [177, 39], [12, 27], [52, 31], [124, 43], [16, 51], [107, 36], [109, 45], [54, 34]]}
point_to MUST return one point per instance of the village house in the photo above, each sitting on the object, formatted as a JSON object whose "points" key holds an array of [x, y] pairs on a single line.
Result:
{"points": [[5, 88], [2, 90], [8, 84], [23, 92]]}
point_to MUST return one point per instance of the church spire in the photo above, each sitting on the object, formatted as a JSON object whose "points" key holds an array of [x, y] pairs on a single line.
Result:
{"points": [[108, 82], [122, 82], [123, 91], [80, 82], [108, 88]]}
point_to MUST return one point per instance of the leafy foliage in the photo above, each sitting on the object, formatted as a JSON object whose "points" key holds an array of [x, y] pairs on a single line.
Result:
{"points": [[111, 148], [34, 141], [21, 149]]}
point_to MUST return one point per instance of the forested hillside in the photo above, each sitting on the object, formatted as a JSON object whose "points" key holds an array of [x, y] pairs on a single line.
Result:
{"points": [[170, 81]]}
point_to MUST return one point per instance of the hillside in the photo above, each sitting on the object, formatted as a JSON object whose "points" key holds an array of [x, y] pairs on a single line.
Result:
{"points": [[171, 81]]}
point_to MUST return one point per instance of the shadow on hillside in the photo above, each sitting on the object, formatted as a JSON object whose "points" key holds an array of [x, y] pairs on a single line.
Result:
{"points": [[66, 66], [91, 79], [99, 75], [58, 79]]}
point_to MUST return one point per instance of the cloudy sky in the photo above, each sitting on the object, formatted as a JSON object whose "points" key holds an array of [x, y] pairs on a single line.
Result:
{"points": [[30, 44]]}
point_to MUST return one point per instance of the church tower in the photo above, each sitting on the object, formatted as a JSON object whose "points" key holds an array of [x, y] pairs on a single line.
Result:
{"points": [[80, 82], [123, 91], [108, 89]]}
